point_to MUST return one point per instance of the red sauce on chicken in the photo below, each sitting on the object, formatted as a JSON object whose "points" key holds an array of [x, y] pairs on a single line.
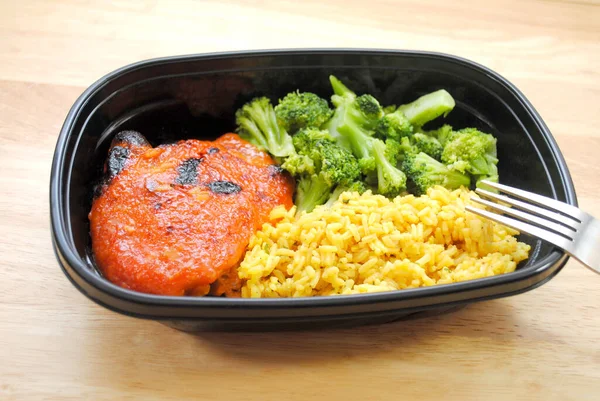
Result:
{"points": [[176, 219]]}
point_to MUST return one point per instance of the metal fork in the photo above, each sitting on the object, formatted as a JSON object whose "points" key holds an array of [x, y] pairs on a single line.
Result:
{"points": [[563, 225]]}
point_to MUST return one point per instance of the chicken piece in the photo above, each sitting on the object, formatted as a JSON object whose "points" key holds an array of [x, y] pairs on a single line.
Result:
{"points": [[173, 219]]}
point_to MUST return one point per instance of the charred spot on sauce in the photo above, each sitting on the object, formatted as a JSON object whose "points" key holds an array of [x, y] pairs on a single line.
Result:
{"points": [[187, 173], [275, 170], [117, 157], [158, 206], [210, 151], [97, 191], [170, 229], [224, 187], [100, 186], [130, 138]]}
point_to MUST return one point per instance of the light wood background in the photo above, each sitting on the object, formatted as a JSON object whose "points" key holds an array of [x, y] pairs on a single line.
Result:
{"points": [[57, 345]]}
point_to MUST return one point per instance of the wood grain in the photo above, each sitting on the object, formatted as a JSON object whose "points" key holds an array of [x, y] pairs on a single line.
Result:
{"points": [[55, 344]]}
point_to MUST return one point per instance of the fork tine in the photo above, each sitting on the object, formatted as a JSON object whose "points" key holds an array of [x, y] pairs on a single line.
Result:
{"points": [[553, 204], [523, 227], [567, 221], [560, 229]]}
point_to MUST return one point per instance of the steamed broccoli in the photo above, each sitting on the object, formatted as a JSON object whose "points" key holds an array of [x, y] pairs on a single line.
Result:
{"points": [[364, 111], [427, 144], [394, 126], [367, 111], [472, 151], [428, 107], [389, 109], [257, 123], [394, 150], [360, 145], [305, 139], [297, 164], [311, 191], [319, 164], [299, 110], [402, 148], [302, 160], [424, 172], [353, 121], [418, 142], [391, 182], [408, 117], [441, 134]]}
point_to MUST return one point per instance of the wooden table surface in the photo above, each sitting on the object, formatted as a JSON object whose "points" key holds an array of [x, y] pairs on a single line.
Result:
{"points": [[55, 344]]}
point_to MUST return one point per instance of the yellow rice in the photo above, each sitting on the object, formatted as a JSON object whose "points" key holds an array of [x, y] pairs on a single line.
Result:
{"points": [[368, 243]]}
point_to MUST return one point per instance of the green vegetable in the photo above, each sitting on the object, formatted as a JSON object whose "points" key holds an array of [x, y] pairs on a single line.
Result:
{"points": [[363, 111], [353, 121], [424, 172], [441, 134], [404, 120], [391, 182], [428, 107], [427, 144], [416, 143], [390, 109], [394, 126], [299, 110], [472, 151], [320, 165], [258, 124], [359, 145]]}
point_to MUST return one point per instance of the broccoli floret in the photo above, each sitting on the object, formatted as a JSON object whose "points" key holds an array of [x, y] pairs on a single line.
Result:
{"points": [[394, 150], [361, 144], [470, 150], [427, 144], [320, 165], [311, 191], [441, 134], [356, 186], [367, 111], [424, 172], [352, 124], [364, 111], [297, 164], [397, 150], [394, 126], [389, 109], [299, 110], [428, 107], [407, 118], [383, 175], [367, 165], [313, 147], [394, 153], [257, 123], [354, 116], [305, 139], [405, 147], [336, 164], [391, 182]]}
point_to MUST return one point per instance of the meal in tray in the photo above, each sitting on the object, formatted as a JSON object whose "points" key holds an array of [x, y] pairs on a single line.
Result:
{"points": [[307, 198]]}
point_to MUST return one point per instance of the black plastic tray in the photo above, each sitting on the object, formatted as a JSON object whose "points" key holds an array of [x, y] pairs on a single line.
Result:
{"points": [[195, 97]]}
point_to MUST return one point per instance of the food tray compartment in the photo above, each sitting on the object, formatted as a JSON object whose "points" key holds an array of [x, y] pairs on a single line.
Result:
{"points": [[196, 97]]}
